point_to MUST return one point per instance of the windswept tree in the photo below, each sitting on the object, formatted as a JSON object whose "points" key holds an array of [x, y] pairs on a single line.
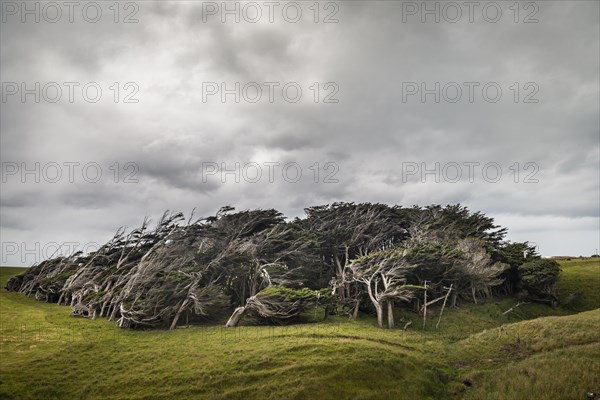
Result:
{"points": [[450, 245], [280, 305], [384, 275], [537, 280], [166, 281], [344, 231], [477, 270], [514, 254], [277, 257], [454, 222], [258, 264], [92, 280]]}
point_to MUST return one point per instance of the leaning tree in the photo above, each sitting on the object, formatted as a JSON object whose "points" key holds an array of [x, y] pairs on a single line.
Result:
{"points": [[344, 231], [537, 280], [384, 275], [277, 257]]}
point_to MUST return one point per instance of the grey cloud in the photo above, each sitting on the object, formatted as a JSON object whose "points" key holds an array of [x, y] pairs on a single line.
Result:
{"points": [[171, 132]]}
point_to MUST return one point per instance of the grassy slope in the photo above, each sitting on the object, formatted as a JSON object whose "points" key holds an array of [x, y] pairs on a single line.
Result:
{"points": [[44, 353], [546, 358]]}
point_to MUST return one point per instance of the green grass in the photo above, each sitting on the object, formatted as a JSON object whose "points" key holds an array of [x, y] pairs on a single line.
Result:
{"points": [[580, 279], [45, 353]]}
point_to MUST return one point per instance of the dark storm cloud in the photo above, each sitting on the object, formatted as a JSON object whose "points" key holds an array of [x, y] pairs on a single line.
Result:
{"points": [[371, 134]]}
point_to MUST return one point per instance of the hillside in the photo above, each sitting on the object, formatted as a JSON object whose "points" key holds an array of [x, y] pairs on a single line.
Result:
{"points": [[476, 352]]}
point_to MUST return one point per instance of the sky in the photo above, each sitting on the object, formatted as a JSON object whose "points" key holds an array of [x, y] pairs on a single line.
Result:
{"points": [[110, 113]]}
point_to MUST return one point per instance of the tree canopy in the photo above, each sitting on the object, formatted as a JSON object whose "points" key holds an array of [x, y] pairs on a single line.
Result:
{"points": [[254, 263]]}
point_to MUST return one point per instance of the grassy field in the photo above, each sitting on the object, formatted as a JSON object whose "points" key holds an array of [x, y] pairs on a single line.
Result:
{"points": [[477, 353]]}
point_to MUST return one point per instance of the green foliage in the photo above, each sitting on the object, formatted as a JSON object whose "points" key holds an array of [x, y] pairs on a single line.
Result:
{"points": [[455, 222], [177, 277], [287, 293], [433, 257], [539, 276], [516, 254], [59, 278]]}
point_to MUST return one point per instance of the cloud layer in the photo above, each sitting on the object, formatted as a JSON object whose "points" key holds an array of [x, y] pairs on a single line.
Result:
{"points": [[366, 131]]}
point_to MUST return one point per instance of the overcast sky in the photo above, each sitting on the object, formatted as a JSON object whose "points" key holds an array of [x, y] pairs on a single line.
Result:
{"points": [[361, 107]]}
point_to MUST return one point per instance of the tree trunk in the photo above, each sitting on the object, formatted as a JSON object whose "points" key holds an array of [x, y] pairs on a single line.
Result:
{"points": [[113, 314], [376, 304], [443, 305], [425, 305], [110, 314], [379, 311], [238, 313], [473, 293], [390, 307], [356, 307], [176, 318], [339, 274], [243, 296], [103, 307]]}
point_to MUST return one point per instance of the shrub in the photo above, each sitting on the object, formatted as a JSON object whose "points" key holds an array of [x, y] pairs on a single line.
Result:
{"points": [[537, 278]]}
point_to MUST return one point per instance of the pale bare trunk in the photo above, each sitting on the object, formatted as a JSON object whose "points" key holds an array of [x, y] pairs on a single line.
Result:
{"points": [[340, 273], [376, 304], [238, 313], [443, 305], [379, 311], [356, 307], [390, 307], [181, 308], [103, 308], [114, 312]]}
